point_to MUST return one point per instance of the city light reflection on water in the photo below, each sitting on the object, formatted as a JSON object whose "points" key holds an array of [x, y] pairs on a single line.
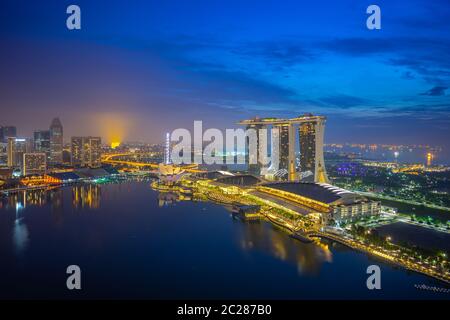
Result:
{"points": [[155, 245]]}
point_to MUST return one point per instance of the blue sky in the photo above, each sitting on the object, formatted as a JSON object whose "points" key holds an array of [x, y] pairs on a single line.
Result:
{"points": [[146, 67]]}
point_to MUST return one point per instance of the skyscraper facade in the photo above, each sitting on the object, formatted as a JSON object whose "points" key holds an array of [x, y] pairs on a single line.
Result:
{"points": [[7, 132], [86, 151], [253, 168], [312, 163], [42, 142], [284, 146], [307, 142], [76, 151], [34, 163], [311, 132], [16, 148], [56, 141]]}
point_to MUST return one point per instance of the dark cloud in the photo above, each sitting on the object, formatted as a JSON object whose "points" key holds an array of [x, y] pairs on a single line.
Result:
{"points": [[344, 101], [283, 53], [435, 91]]}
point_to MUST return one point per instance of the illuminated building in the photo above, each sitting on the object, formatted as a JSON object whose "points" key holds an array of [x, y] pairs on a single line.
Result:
{"points": [[311, 129], [169, 174], [16, 148], [3, 153], [86, 151], [334, 204], [34, 163], [7, 132], [253, 168], [307, 150], [42, 142], [284, 146], [76, 151], [56, 142], [6, 173]]}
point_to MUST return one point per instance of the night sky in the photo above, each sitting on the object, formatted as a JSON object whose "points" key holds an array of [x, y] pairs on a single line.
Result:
{"points": [[137, 69]]}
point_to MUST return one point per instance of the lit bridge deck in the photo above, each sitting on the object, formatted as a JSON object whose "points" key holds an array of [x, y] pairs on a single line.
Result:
{"points": [[109, 159]]}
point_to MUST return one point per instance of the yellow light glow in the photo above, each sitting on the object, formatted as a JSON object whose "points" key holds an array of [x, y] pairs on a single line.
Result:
{"points": [[112, 126], [115, 144]]}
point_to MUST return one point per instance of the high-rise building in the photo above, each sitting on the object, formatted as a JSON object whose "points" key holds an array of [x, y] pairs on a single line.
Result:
{"points": [[7, 132], [56, 141], [284, 146], [16, 148], [3, 153], [42, 142], [76, 151], [86, 151], [34, 163], [312, 164], [307, 148], [311, 132], [253, 168]]}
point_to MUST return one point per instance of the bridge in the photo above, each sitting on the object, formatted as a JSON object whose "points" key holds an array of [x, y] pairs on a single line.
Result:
{"points": [[111, 159]]}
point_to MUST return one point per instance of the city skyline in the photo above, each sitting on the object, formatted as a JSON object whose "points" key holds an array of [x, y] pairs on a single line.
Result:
{"points": [[175, 62], [256, 151]]}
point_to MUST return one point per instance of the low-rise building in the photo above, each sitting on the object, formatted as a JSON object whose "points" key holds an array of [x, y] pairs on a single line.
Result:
{"points": [[334, 204]]}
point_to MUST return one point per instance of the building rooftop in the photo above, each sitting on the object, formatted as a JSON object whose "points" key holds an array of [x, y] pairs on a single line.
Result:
{"points": [[322, 192], [64, 176], [242, 180]]}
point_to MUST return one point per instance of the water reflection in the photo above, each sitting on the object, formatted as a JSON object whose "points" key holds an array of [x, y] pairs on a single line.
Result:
{"points": [[269, 239], [83, 196], [260, 236], [254, 236], [86, 196], [167, 198], [20, 236]]}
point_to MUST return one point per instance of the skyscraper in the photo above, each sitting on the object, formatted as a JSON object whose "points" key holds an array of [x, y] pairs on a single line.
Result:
{"points": [[284, 146], [253, 168], [42, 142], [311, 132], [312, 164], [56, 141], [86, 151], [16, 148], [307, 148], [7, 132], [76, 151]]}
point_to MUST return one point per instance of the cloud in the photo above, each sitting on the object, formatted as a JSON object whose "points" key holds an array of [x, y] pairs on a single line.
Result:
{"points": [[435, 91], [343, 101], [408, 75]]}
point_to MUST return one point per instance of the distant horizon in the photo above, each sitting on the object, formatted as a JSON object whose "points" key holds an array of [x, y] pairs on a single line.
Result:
{"points": [[105, 139]]}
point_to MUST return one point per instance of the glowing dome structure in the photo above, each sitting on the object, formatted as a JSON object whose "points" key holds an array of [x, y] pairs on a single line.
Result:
{"points": [[169, 174]]}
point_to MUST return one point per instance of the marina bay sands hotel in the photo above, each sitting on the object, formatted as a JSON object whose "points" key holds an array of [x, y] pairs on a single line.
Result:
{"points": [[310, 130]]}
